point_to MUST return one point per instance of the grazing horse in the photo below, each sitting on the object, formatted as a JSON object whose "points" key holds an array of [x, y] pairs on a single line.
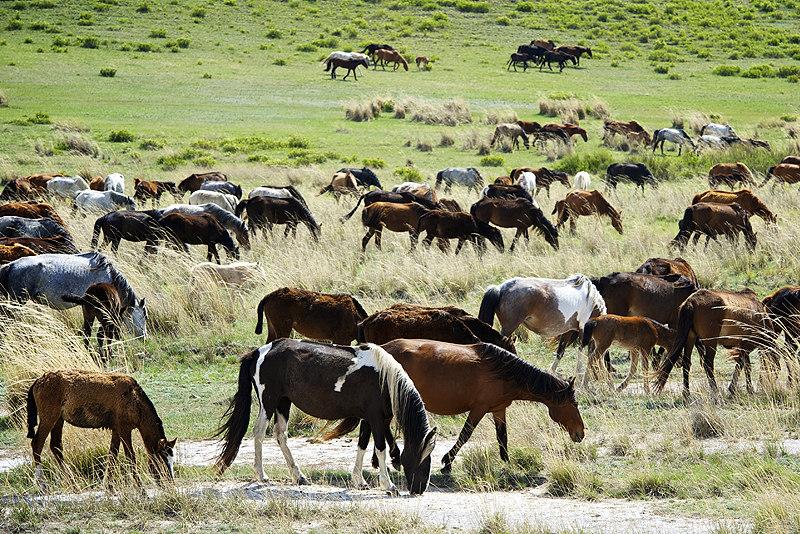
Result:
{"points": [[783, 307], [557, 57], [60, 244], [637, 334], [662, 267], [515, 213], [447, 323], [333, 63], [66, 188], [97, 400], [114, 182], [544, 177], [98, 183], [355, 384], [718, 130], [370, 49], [567, 129], [227, 219], [393, 217], [101, 202], [674, 135], [19, 189], [423, 62], [135, 226], [223, 200], [585, 203], [320, 316], [744, 198], [424, 191], [39, 181], [530, 127], [582, 180], [511, 131], [31, 210], [470, 178], [222, 187], [527, 181], [794, 160], [47, 277], [103, 303], [714, 220], [278, 191], [183, 229], [545, 306], [264, 212], [730, 174], [387, 196], [784, 173], [192, 183], [576, 51], [636, 173], [445, 225], [480, 379], [384, 56], [153, 189], [631, 130], [14, 226], [364, 176], [342, 183], [9, 253], [507, 191], [735, 320]]}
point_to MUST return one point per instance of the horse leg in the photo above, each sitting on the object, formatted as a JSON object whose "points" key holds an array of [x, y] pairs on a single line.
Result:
{"points": [[394, 451], [212, 250], [259, 433], [357, 478], [563, 340], [502, 432], [88, 321], [573, 224], [37, 443], [112, 457], [378, 434], [366, 239], [708, 367], [514, 241], [56, 442], [473, 418], [127, 447], [635, 354], [414, 238], [378, 237], [646, 370], [459, 245], [281, 436]]}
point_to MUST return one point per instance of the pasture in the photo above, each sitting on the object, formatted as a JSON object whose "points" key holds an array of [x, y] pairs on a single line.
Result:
{"points": [[238, 87]]}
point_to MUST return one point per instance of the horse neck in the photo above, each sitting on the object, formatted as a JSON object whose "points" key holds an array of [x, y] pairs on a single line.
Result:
{"points": [[126, 293], [150, 426]]}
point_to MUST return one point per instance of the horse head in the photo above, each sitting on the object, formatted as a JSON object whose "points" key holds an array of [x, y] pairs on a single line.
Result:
{"points": [[162, 459], [138, 313], [416, 462], [563, 409]]}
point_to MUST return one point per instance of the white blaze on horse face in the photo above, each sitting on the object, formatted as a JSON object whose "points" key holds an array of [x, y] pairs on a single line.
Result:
{"points": [[171, 463], [362, 358]]}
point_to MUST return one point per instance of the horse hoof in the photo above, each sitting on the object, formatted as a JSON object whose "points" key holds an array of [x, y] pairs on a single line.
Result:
{"points": [[446, 468], [302, 481], [392, 492]]}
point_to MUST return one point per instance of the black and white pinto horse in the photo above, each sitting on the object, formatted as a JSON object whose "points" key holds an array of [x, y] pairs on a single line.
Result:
{"points": [[636, 173], [46, 278], [364, 176], [469, 177], [674, 135], [14, 226], [361, 384]]}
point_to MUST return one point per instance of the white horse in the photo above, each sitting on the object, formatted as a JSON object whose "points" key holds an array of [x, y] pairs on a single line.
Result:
{"points": [[421, 190], [583, 180], [346, 56], [673, 135], [469, 177], [102, 202], [713, 142], [66, 187], [527, 181], [234, 274], [223, 200], [718, 130], [115, 182]]}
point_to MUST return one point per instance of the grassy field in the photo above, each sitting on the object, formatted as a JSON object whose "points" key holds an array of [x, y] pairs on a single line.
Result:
{"points": [[237, 86]]}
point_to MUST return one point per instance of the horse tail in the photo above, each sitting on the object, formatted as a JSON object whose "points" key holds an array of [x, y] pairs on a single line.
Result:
{"points": [[362, 313], [344, 427], [238, 414], [33, 412], [260, 315], [346, 217], [588, 329], [685, 324], [360, 336], [491, 299], [98, 226], [327, 64]]}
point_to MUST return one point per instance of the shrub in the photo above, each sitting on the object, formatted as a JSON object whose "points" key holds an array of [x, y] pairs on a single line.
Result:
{"points": [[273, 34], [424, 146], [151, 144], [409, 174], [788, 71], [121, 136], [79, 145], [280, 62], [596, 161], [446, 140], [89, 42], [306, 47], [726, 70], [205, 161], [144, 47], [144, 7], [759, 71], [298, 142], [108, 73], [469, 6], [661, 69], [39, 118], [374, 163], [206, 76], [158, 34], [85, 19], [13, 25], [563, 480], [492, 161], [198, 13], [501, 116]]}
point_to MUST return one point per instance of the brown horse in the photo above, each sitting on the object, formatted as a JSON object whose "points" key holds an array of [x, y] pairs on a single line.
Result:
{"points": [[631, 130], [735, 320], [661, 267], [9, 253], [97, 400], [320, 316], [264, 212], [60, 244], [503, 180], [31, 210], [333, 63], [98, 183], [529, 127], [198, 229], [393, 217], [784, 309], [445, 225], [192, 183], [516, 213], [576, 51], [585, 203], [637, 334], [714, 220], [19, 189], [384, 56], [479, 379], [730, 174], [342, 183], [153, 189], [423, 62], [794, 160], [103, 303], [446, 323], [784, 173], [544, 177], [546, 44], [567, 129], [744, 198]]}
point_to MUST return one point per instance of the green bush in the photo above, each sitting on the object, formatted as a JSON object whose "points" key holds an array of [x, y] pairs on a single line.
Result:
{"points": [[273, 34], [493, 160], [158, 34], [151, 144], [759, 71], [375, 163], [39, 118], [14, 24], [726, 70], [198, 13], [788, 71], [121, 136], [89, 42], [409, 174], [469, 6], [108, 73], [144, 7]]}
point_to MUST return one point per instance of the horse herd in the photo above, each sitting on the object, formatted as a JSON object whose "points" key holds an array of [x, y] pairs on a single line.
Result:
{"points": [[379, 55], [541, 52], [409, 358]]}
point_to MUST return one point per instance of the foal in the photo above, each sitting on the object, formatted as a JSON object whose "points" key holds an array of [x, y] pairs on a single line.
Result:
{"points": [[101, 302]]}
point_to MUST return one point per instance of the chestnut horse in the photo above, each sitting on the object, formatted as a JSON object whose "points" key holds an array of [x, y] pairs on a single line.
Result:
{"points": [[585, 203], [393, 217], [630, 130], [730, 174], [384, 56], [153, 189], [515, 213], [714, 220], [744, 198], [662, 266], [320, 316], [9, 253], [103, 303], [59, 244], [31, 210]]}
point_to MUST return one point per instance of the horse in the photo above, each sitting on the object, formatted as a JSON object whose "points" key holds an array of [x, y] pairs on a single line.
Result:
{"points": [[735, 320], [424, 191], [529, 127], [9, 253], [384, 56], [393, 217], [355, 384], [714, 220], [370, 49], [264, 212], [31, 210], [716, 142], [637, 334], [446, 225], [783, 307], [320, 316], [730, 174], [114, 182], [558, 136], [662, 267], [784, 173], [222, 187], [198, 229], [235, 274], [631, 130], [561, 58], [192, 183], [585, 203], [101, 202], [518, 59], [535, 53], [544, 177], [14, 226], [412, 321], [561, 130], [39, 181], [103, 303], [60, 244], [470, 178], [511, 131], [278, 191], [228, 220], [66, 187], [718, 130], [542, 43], [47, 277], [636, 173], [153, 189], [515, 213], [576, 51], [97, 183], [423, 62], [97, 400], [674, 135], [332, 63], [223, 200], [364, 176], [341, 184], [527, 181], [549, 307], [135, 226], [794, 160], [387, 196], [507, 191], [19, 189], [744, 198], [582, 180]]}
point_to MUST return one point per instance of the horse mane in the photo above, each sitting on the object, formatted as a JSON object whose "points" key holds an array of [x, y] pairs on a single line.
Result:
{"points": [[597, 299], [307, 217], [148, 404], [118, 280], [227, 217], [511, 368]]}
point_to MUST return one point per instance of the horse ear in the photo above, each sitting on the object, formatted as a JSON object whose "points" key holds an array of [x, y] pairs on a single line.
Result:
{"points": [[162, 443], [571, 382], [141, 302], [428, 444], [171, 444]]}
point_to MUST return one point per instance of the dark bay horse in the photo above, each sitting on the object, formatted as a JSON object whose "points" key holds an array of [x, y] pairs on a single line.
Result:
{"points": [[445, 225], [515, 213], [264, 212], [333, 63], [135, 226], [355, 384], [102, 302], [200, 229]]}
